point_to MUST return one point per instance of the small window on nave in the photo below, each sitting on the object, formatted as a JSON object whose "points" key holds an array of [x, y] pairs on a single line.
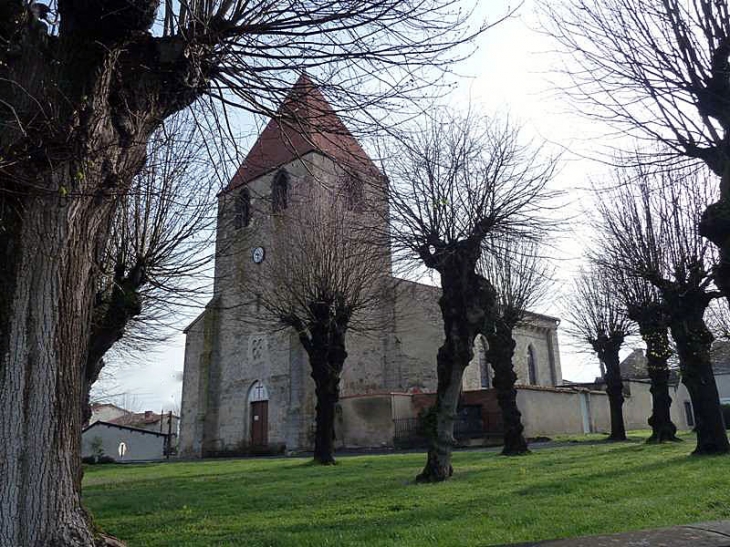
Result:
{"points": [[353, 189], [243, 209], [531, 365], [280, 192]]}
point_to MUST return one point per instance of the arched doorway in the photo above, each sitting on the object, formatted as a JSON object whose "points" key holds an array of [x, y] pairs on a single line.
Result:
{"points": [[258, 397]]}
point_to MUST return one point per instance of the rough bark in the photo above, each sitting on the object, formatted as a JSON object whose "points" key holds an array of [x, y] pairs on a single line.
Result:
{"points": [[326, 374], [323, 338], [657, 354], [40, 383], [501, 352], [607, 348], [466, 301], [615, 391], [715, 223], [694, 341], [81, 109]]}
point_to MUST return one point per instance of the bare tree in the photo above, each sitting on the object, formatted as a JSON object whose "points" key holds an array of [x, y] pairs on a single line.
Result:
{"points": [[598, 318], [644, 306], [453, 184], [658, 70], [83, 85], [520, 277], [328, 279], [158, 252], [651, 223]]}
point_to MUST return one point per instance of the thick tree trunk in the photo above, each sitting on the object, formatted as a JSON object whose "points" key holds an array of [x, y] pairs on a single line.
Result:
{"points": [[694, 341], [441, 441], [615, 392], [501, 352], [328, 393], [48, 297], [657, 354], [324, 341], [467, 305], [78, 108]]}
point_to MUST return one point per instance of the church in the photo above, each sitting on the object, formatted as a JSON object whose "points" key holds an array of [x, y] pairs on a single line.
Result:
{"points": [[246, 386]]}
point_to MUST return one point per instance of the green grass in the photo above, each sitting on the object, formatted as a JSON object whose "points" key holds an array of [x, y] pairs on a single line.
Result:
{"points": [[372, 500]]}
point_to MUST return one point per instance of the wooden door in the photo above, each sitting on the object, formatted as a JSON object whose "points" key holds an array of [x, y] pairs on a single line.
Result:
{"points": [[260, 423]]}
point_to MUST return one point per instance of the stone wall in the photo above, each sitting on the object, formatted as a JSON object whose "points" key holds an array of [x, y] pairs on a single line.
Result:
{"points": [[367, 421], [419, 334]]}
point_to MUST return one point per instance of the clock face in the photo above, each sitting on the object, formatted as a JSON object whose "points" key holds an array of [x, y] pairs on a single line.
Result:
{"points": [[257, 255]]}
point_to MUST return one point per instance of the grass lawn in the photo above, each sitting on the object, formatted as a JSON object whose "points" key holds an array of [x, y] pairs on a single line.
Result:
{"points": [[372, 500]]}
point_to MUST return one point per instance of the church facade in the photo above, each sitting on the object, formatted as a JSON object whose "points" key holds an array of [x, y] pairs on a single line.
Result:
{"points": [[246, 384]]}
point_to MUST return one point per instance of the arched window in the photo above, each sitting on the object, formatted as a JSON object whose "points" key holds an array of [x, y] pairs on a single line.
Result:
{"points": [[243, 209], [482, 362], [531, 365], [258, 392], [280, 191], [353, 190]]}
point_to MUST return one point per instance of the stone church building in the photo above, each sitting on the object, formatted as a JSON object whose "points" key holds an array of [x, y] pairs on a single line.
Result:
{"points": [[246, 385]]}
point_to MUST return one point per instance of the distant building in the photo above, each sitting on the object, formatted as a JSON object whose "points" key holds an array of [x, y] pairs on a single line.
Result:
{"points": [[151, 421], [721, 368], [123, 443], [165, 423], [106, 412]]}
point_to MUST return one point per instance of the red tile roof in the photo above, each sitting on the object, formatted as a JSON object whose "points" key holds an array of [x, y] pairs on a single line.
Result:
{"points": [[305, 122]]}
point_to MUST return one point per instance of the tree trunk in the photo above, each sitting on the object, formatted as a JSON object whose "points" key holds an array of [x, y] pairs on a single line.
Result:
{"points": [[328, 393], [325, 346], [657, 353], [441, 441], [615, 392], [694, 342], [48, 296], [467, 304], [501, 352], [715, 226]]}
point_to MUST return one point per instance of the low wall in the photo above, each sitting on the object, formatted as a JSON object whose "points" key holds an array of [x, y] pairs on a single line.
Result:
{"points": [[548, 412], [367, 421]]}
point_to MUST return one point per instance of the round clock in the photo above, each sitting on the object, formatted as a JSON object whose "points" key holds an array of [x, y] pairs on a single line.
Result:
{"points": [[257, 255]]}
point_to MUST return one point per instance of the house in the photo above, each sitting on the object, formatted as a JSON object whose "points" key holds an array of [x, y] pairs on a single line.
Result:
{"points": [[166, 423], [123, 443], [106, 412], [721, 368]]}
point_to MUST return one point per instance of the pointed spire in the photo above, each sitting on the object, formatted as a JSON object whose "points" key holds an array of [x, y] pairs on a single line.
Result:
{"points": [[305, 122]]}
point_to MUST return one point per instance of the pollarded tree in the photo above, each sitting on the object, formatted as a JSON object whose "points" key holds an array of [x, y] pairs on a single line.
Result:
{"points": [[520, 277], [328, 278], [453, 184], [598, 318], [83, 85], [658, 70], [651, 222], [157, 255], [644, 306]]}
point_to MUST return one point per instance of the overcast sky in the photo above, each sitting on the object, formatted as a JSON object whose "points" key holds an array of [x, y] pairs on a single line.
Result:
{"points": [[510, 73]]}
